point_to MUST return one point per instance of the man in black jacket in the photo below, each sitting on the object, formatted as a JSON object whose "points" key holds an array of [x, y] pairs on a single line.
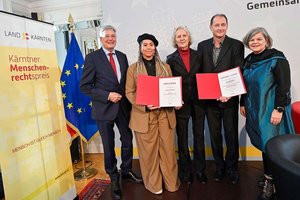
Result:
{"points": [[218, 54]]}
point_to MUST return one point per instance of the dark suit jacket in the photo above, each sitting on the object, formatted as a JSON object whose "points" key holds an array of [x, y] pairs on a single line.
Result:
{"points": [[231, 56], [98, 80], [189, 86]]}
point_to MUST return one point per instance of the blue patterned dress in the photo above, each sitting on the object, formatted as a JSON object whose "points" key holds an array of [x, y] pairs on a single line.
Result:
{"points": [[259, 101]]}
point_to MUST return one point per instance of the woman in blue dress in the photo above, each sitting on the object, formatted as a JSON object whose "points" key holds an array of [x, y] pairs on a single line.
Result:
{"points": [[267, 104]]}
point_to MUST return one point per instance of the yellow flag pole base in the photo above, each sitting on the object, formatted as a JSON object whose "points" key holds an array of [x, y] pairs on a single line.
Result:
{"points": [[85, 174]]}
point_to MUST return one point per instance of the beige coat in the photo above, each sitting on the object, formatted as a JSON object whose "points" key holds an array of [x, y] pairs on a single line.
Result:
{"points": [[139, 116]]}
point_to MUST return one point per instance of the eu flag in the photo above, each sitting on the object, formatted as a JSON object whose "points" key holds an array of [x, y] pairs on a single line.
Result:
{"points": [[77, 106]]}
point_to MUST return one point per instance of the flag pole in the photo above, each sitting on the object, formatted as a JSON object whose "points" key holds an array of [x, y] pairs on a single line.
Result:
{"points": [[84, 173]]}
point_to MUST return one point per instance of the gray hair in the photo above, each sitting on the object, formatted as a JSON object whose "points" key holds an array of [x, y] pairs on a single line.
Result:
{"points": [[186, 30], [106, 27], [253, 32]]}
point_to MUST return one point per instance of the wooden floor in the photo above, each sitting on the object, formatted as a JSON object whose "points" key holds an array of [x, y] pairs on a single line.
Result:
{"points": [[246, 189]]}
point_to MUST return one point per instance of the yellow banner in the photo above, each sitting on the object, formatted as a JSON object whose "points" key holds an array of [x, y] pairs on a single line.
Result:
{"points": [[34, 151]]}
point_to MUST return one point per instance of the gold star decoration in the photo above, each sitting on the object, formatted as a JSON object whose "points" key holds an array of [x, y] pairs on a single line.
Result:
{"points": [[79, 110], [91, 104], [63, 83], [70, 105], [68, 72], [76, 66], [64, 95]]}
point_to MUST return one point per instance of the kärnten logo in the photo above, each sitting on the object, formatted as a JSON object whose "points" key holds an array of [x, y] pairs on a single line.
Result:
{"points": [[26, 36]]}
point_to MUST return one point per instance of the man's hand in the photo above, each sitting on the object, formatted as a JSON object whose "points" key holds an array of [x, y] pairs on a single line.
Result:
{"points": [[223, 99], [114, 97]]}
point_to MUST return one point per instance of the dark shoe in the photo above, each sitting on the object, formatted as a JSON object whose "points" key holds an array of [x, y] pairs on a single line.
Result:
{"points": [[187, 178], [131, 176], [261, 181], [115, 190], [219, 175], [234, 176], [202, 177], [75, 161], [268, 190]]}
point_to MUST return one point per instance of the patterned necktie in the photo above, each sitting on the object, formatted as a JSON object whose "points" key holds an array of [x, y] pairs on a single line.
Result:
{"points": [[112, 62]]}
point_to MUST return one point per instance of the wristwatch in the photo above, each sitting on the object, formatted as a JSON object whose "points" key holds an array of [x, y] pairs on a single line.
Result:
{"points": [[280, 109]]}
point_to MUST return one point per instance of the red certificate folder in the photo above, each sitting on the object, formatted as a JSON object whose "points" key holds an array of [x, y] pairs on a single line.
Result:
{"points": [[214, 85], [147, 92], [208, 86], [158, 91]]}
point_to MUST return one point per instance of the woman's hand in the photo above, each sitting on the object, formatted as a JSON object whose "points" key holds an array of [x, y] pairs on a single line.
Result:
{"points": [[151, 107], [276, 117], [243, 111], [178, 107]]}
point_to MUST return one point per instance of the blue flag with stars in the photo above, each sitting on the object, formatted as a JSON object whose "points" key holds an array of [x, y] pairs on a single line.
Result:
{"points": [[78, 107]]}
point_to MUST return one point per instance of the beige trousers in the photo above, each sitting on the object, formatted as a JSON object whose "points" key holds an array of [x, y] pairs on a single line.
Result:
{"points": [[157, 154]]}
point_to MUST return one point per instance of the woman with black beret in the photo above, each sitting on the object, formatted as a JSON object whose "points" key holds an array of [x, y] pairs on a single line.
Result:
{"points": [[153, 126]]}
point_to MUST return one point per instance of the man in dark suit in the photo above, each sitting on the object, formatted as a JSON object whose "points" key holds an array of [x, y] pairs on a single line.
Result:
{"points": [[218, 54], [103, 80]]}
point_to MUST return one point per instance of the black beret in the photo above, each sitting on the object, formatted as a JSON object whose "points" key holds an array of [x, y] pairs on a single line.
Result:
{"points": [[147, 36]]}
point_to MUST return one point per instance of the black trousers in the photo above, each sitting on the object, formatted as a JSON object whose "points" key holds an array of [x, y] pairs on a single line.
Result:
{"points": [[217, 116], [198, 117], [108, 140], [74, 148], [266, 164]]}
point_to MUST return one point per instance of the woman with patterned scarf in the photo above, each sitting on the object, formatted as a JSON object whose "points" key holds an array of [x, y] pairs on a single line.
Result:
{"points": [[267, 104]]}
